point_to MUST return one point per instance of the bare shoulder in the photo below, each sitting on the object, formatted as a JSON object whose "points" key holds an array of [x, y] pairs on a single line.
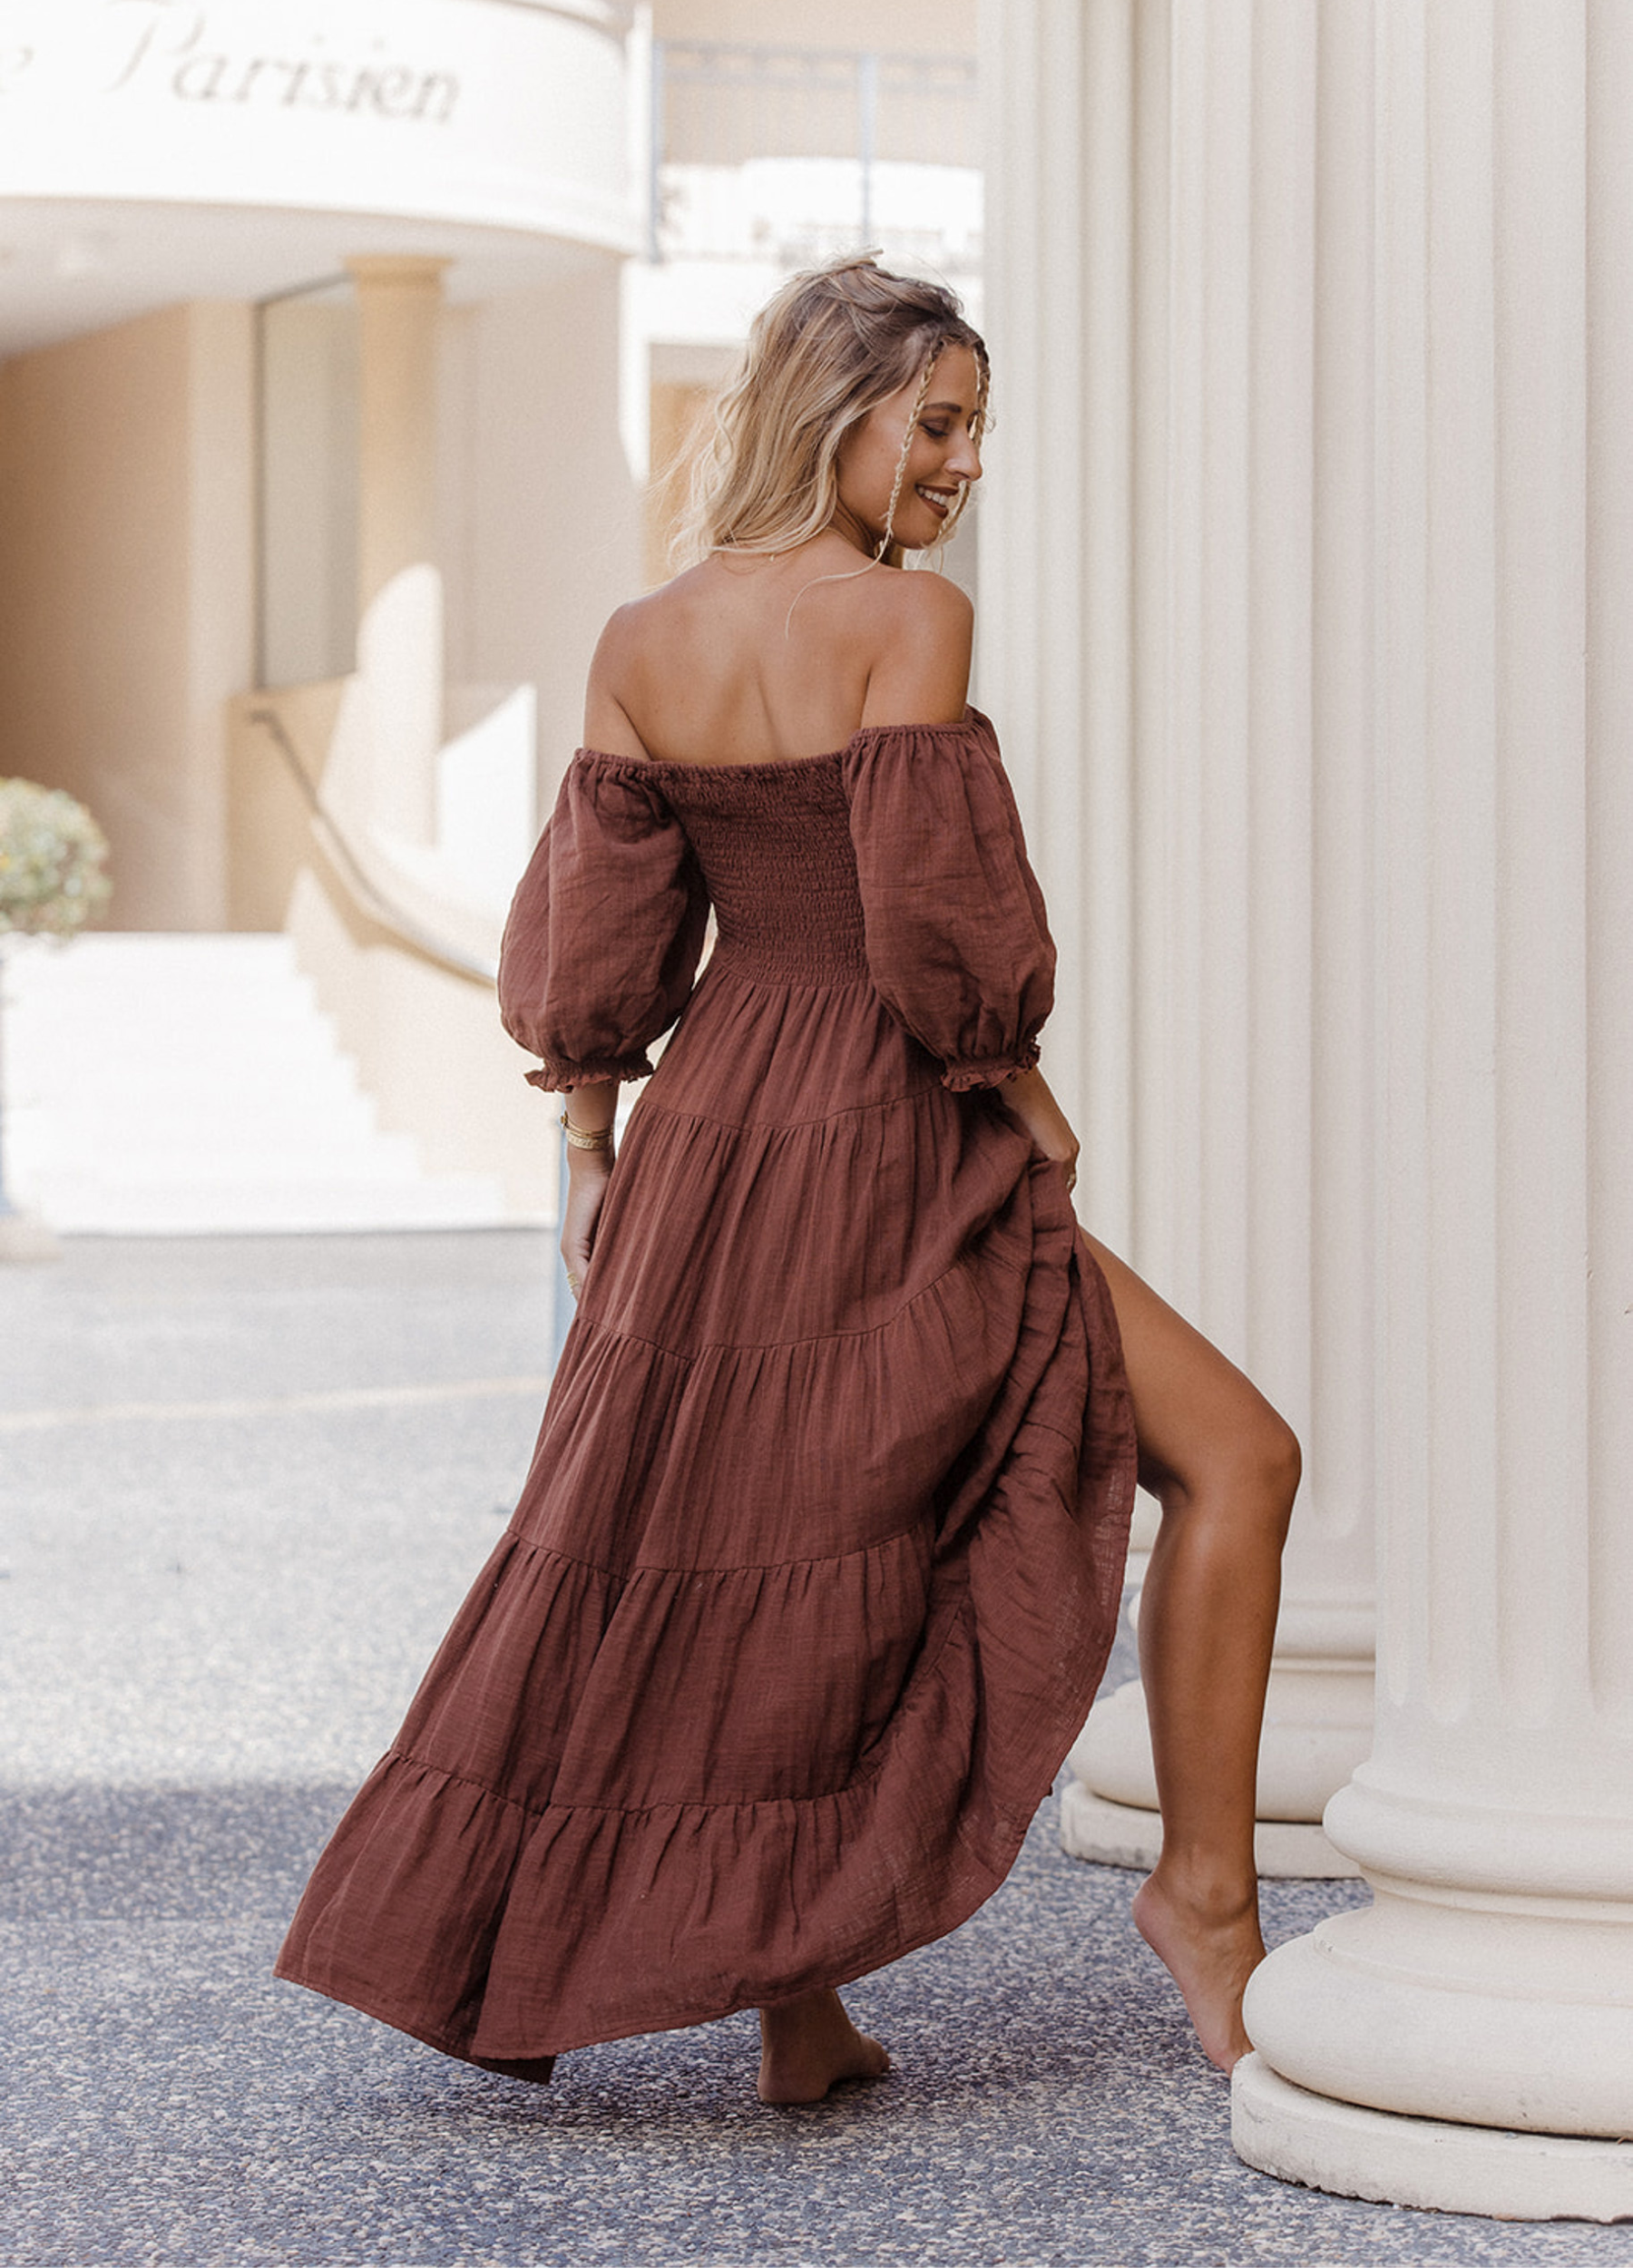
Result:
{"points": [[631, 627], [929, 596], [607, 726], [623, 661], [922, 634]]}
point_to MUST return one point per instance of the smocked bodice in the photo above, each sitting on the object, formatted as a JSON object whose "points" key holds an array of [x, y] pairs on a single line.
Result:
{"points": [[773, 845], [893, 867]]}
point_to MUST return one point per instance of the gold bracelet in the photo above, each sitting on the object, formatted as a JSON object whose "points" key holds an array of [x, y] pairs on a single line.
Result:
{"points": [[580, 1139]]}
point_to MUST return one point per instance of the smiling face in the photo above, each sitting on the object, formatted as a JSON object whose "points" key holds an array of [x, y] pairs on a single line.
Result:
{"points": [[942, 460]]}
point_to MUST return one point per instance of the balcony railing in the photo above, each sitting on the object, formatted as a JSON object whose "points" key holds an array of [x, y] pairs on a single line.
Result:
{"points": [[787, 155]]}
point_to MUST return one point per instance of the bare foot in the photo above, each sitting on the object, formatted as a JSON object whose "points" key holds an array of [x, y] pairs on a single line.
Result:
{"points": [[809, 2045], [1210, 1951]]}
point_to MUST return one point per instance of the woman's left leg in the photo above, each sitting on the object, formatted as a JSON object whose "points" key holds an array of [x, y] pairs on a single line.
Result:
{"points": [[1225, 1469]]}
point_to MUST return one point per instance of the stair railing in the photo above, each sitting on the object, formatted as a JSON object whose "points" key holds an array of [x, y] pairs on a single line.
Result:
{"points": [[372, 900]]}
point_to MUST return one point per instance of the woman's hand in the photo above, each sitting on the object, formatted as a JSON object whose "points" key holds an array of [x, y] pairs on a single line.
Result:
{"points": [[1027, 1097], [589, 1170], [588, 1174]]}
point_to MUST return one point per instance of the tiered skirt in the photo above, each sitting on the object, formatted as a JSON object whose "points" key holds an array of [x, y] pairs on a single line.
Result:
{"points": [[811, 1583]]}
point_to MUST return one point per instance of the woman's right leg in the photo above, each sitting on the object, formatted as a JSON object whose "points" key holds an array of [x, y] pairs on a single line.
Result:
{"points": [[809, 2045], [1224, 1467]]}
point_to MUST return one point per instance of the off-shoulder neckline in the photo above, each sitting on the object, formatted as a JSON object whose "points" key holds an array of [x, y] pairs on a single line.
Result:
{"points": [[969, 722]]}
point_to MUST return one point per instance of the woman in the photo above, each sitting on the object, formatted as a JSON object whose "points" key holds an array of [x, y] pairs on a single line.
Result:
{"points": [[818, 1561]]}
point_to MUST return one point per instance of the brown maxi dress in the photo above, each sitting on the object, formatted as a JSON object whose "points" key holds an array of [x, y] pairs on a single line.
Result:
{"points": [[819, 1560]]}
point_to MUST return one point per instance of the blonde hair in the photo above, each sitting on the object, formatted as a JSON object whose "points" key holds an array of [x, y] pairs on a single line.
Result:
{"points": [[826, 349]]}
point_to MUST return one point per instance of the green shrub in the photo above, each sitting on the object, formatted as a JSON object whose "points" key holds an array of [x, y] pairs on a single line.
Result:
{"points": [[53, 860]]}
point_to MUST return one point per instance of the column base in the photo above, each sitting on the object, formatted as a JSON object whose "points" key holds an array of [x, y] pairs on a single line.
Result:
{"points": [[1122, 1834], [1285, 2131], [1318, 1718]]}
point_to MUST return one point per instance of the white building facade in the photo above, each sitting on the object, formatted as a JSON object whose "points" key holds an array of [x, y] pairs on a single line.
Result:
{"points": [[347, 350], [314, 500]]}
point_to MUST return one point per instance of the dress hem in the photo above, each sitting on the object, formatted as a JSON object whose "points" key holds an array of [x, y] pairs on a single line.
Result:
{"points": [[827, 1977]]}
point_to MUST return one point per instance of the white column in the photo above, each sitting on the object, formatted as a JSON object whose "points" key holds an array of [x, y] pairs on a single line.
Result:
{"points": [[399, 307], [1175, 646], [1466, 2042], [399, 590]]}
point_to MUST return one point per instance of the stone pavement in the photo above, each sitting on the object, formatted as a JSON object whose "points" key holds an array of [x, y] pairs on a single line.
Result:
{"points": [[245, 1483]]}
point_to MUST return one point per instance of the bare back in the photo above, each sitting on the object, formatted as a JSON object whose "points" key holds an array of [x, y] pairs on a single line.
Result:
{"points": [[755, 660]]}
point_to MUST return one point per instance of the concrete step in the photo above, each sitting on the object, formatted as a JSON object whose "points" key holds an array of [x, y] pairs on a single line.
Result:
{"points": [[165, 1084]]}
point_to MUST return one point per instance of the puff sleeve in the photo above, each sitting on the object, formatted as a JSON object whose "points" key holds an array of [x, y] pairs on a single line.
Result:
{"points": [[601, 944], [957, 940]]}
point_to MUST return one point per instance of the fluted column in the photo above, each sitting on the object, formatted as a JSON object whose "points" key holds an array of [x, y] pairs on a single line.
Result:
{"points": [[1176, 647], [1436, 2047], [399, 590]]}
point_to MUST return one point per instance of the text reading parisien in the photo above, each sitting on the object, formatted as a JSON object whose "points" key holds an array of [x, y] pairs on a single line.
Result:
{"points": [[177, 45]]}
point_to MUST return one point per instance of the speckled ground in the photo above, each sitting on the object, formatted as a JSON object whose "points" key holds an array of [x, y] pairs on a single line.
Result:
{"points": [[210, 1621]]}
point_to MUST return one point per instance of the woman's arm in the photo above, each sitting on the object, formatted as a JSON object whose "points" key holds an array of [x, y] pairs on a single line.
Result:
{"points": [[1027, 1097], [590, 1111]]}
